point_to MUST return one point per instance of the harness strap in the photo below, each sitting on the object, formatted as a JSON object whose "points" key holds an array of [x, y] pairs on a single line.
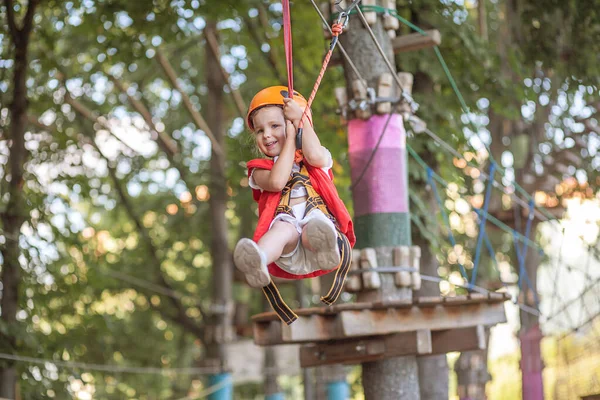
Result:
{"points": [[283, 311]]}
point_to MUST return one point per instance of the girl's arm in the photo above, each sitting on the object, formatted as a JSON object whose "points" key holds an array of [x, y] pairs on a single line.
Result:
{"points": [[314, 153], [276, 179]]}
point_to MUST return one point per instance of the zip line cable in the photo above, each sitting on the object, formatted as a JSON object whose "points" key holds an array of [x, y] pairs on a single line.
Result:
{"points": [[517, 235], [109, 367], [344, 53], [456, 91], [553, 222]]}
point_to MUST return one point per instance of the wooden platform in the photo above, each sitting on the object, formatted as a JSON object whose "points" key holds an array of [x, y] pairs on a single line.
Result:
{"points": [[358, 332]]}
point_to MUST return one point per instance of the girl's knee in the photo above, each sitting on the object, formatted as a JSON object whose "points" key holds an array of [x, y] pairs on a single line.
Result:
{"points": [[284, 226]]}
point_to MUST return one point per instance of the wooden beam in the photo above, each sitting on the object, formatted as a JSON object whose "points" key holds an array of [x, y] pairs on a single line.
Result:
{"points": [[474, 298], [464, 339], [374, 322], [422, 342], [313, 328], [381, 322], [416, 41], [355, 351]]}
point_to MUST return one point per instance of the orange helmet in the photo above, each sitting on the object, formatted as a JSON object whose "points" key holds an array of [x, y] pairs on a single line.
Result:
{"points": [[273, 96]]}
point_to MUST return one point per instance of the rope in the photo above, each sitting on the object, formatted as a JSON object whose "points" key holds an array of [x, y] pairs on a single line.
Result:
{"points": [[455, 89], [556, 225], [492, 253], [287, 43], [108, 367], [433, 186], [385, 59], [336, 30], [482, 217], [209, 390], [523, 271], [525, 247], [344, 53], [490, 217]]}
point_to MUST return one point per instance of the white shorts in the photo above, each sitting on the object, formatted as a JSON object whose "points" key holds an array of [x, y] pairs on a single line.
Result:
{"points": [[300, 261]]}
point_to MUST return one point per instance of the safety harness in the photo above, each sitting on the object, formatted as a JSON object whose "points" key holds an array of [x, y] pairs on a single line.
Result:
{"points": [[313, 202]]}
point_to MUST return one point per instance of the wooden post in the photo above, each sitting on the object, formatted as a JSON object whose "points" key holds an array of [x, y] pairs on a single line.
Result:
{"points": [[530, 334], [382, 218]]}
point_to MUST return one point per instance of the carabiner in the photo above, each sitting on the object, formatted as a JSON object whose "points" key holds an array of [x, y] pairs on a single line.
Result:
{"points": [[345, 17]]}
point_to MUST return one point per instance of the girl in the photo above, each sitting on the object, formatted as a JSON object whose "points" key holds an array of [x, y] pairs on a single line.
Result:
{"points": [[304, 230]]}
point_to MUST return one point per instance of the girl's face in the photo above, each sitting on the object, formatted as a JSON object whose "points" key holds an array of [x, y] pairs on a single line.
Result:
{"points": [[269, 129]]}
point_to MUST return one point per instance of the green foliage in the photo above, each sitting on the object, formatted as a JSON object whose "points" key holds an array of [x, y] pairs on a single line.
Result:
{"points": [[115, 239]]}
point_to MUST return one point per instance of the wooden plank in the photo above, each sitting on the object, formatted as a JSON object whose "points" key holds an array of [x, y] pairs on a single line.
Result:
{"points": [[458, 300], [463, 339], [423, 342], [428, 301], [267, 333], [416, 41], [393, 303], [355, 351], [474, 298], [380, 322], [312, 328], [356, 323]]}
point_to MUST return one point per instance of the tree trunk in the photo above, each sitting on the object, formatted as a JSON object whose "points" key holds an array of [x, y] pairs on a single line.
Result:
{"points": [[382, 217], [433, 370], [15, 213], [222, 272]]}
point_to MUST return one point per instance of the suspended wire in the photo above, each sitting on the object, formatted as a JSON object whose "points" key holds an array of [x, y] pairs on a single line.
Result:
{"points": [[492, 253], [543, 211], [436, 194], [209, 390], [496, 184], [552, 222], [385, 59], [482, 214], [110, 367], [489, 216], [566, 305], [345, 54], [479, 289]]}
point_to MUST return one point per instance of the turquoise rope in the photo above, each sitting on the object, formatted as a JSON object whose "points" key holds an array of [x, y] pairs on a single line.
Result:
{"points": [[482, 219], [433, 186], [490, 217]]}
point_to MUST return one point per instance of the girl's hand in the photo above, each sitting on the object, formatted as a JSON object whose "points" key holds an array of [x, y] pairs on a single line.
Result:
{"points": [[290, 131], [292, 111]]}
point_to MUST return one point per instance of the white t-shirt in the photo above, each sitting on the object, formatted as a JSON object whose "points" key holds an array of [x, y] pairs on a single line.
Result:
{"points": [[298, 191]]}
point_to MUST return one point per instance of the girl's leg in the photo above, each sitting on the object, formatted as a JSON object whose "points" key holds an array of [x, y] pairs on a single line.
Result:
{"points": [[282, 238], [252, 258]]}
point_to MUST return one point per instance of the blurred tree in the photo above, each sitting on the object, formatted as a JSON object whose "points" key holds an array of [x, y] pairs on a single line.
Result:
{"points": [[14, 211]]}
